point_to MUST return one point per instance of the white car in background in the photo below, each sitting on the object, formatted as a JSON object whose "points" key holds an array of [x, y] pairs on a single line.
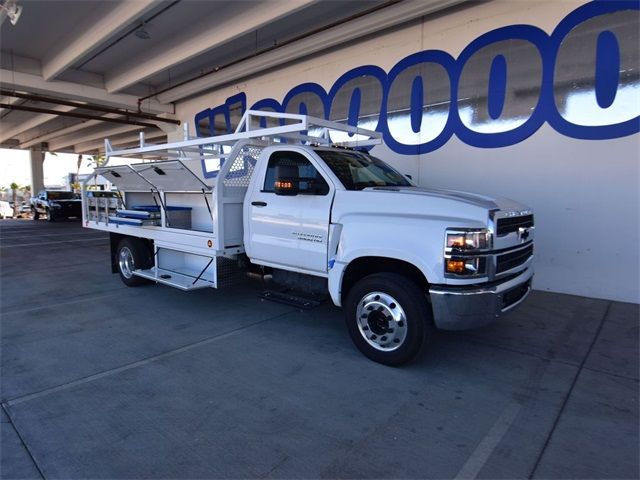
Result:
{"points": [[6, 210]]}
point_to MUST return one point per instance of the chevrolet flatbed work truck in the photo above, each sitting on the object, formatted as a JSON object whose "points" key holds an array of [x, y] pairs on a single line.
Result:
{"points": [[296, 197]]}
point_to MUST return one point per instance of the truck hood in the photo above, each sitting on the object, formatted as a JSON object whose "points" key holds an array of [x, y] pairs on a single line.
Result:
{"points": [[455, 207], [468, 198], [474, 199]]}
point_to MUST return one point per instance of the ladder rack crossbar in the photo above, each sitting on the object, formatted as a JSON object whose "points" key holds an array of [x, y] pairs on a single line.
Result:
{"points": [[297, 128]]}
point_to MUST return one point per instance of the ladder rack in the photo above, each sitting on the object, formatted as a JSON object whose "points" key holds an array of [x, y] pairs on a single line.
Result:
{"points": [[293, 128], [194, 214]]}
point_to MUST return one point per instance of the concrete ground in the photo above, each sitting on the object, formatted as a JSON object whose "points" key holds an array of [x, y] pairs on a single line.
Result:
{"points": [[104, 381]]}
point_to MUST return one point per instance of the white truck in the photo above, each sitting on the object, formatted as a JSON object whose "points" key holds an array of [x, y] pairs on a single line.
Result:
{"points": [[298, 198]]}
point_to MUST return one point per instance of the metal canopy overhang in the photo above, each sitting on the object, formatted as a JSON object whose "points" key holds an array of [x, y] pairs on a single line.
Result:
{"points": [[93, 64]]}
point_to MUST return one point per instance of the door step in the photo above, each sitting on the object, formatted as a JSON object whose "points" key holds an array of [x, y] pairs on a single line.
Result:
{"points": [[289, 297], [173, 279]]}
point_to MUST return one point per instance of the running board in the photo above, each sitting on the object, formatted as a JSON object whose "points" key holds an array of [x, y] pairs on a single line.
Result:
{"points": [[289, 299], [173, 279]]}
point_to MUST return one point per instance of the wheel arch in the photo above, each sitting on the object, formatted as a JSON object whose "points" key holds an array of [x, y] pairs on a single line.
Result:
{"points": [[364, 266], [114, 241]]}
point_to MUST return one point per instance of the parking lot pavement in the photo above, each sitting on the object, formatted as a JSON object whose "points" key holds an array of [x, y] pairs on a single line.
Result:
{"points": [[104, 381]]}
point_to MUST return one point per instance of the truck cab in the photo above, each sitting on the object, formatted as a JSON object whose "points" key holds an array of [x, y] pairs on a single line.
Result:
{"points": [[401, 260], [347, 216]]}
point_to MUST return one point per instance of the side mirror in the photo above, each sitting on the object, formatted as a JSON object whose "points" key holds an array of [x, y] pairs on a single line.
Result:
{"points": [[285, 186], [287, 180]]}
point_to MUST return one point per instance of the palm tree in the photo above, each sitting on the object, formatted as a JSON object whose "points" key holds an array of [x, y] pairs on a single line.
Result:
{"points": [[26, 192], [75, 186], [97, 160], [14, 195]]}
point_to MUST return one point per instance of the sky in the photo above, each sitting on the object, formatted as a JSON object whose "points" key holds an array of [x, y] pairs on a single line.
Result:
{"points": [[16, 167]]}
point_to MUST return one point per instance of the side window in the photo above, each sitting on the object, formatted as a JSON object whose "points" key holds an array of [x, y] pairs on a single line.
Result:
{"points": [[311, 181]]}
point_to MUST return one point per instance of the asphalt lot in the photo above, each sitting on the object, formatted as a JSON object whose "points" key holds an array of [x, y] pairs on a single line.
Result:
{"points": [[104, 381]]}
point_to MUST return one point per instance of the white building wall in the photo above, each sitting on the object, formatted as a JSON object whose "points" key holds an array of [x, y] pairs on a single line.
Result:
{"points": [[584, 192]]}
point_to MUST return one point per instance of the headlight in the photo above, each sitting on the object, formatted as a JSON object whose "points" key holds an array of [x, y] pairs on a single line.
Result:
{"points": [[465, 252], [468, 240]]}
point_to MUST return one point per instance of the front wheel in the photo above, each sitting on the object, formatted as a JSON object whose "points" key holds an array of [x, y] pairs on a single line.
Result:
{"points": [[50, 217], [132, 254], [388, 318], [34, 214]]}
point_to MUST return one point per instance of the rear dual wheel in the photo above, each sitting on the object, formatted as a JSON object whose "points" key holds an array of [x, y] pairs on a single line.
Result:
{"points": [[388, 318], [132, 254]]}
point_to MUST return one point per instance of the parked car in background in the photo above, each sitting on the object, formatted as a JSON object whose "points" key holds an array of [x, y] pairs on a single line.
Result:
{"points": [[6, 210], [24, 211], [55, 204]]}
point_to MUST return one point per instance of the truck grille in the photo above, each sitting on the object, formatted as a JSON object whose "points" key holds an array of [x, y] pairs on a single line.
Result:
{"points": [[512, 260], [512, 224]]}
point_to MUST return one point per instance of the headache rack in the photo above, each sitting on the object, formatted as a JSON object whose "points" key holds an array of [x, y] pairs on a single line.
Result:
{"points": [[187, 196]]}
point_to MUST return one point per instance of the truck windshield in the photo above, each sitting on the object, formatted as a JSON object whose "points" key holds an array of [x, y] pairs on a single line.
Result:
{"points": [[62, 195], [358, 170]]}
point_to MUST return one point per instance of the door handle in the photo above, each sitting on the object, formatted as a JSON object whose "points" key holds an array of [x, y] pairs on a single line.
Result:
{"points": [[259, 204]]}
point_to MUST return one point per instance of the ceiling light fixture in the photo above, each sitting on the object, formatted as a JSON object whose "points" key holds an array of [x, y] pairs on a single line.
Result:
{"points": [[142, 33], [11, 9]]}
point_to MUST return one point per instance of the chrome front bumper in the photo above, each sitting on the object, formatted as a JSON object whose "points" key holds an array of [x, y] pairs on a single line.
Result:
{"points": [[462, 307]]}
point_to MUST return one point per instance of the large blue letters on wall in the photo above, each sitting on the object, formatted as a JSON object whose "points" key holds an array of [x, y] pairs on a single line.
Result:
{"points": [[583, 79]]}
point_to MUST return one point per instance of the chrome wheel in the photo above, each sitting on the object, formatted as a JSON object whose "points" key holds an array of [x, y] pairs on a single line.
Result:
{"points": [[381, 321], [125, 262]]}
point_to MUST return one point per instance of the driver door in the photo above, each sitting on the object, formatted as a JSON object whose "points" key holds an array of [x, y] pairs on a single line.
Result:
{"points": [[291, 230]]}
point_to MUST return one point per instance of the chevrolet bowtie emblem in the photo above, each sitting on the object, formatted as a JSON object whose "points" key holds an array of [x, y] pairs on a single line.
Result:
{"points": [[523, 233]]}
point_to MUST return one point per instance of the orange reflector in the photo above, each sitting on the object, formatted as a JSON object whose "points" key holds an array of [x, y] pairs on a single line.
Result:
{"points": [[455, 266]]}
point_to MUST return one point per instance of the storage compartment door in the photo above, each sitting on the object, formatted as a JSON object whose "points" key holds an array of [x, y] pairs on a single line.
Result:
{"points": [[171, 176], [125, 178]]}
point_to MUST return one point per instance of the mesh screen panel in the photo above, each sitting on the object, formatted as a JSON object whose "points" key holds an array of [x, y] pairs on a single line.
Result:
{"points": [[242, 167]]}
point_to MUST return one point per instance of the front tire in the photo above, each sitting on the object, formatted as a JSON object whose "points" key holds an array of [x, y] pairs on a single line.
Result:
{"points": [[132, 254], [388, 318], [34, 214], [50, 217]]}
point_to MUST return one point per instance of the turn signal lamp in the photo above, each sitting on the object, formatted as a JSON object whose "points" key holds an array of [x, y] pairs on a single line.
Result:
{"points": [[455, 266], [471, 267], [284, 185]]}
